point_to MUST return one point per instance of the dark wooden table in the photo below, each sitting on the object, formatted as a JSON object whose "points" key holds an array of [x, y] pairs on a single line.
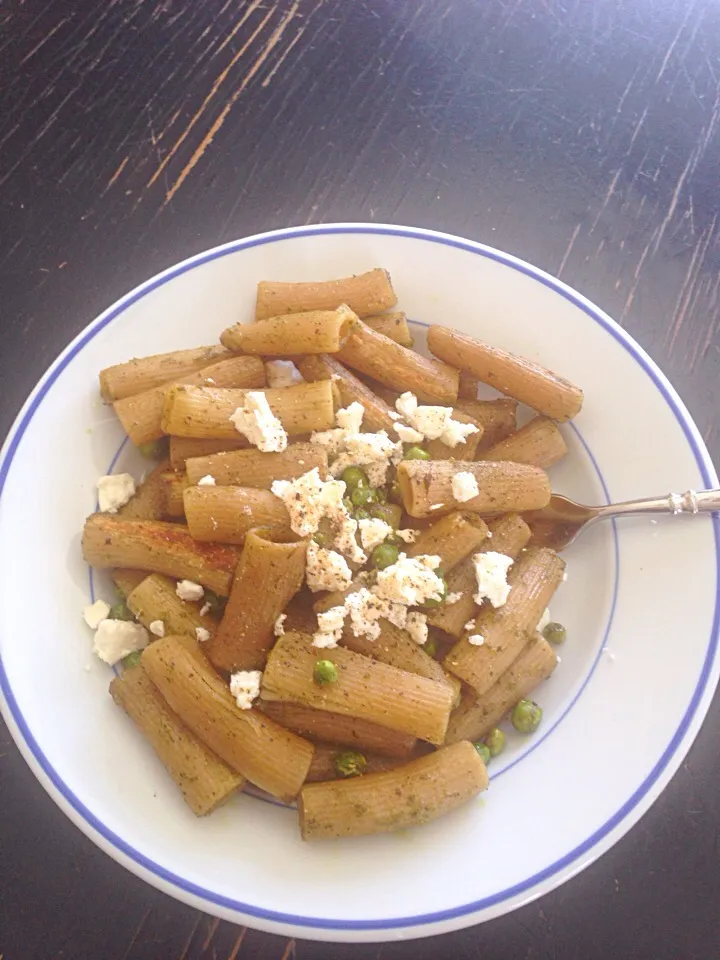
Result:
{"points": [[581, 135]]}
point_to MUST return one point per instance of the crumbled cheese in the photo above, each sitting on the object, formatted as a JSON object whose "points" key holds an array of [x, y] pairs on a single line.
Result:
{"points": [[431, 422], [326, 569], [259, 424], [393, 415], [464, 486], [544, 620], [377, 472], [205, 609], [417, 627], [410, 581], [157, 627], [362, 449], [408, 434], [245, 687], [476, 640], [115, 639], [456, 432], [188, 590], [469, 626], [202, 634], [491, 570], [309, 499], [350, 418], [279, 625], [282, 373], [95, 613], [453, 598], [373, 532], [333, 440], [207, 481], [407, 536], [345, 538], [114, 491], [366, 609], [406, 405], [330, 628]]}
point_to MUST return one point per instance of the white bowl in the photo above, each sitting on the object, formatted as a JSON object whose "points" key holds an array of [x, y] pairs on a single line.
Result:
{"points": [[641, 606]]}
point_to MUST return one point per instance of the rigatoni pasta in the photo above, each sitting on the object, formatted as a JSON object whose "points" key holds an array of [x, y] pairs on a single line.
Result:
{"points": [[251, 468], [365, 294], [138, 375], [317, 331], [226, 514]]}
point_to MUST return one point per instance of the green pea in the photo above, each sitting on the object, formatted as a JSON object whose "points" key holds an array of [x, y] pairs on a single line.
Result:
{"points": [[395, 493], [325, 672], [483, 751], [349, 763], [354, 477], [348, 504], [388, 512], [384, 555], [361, 513], [416, 453], [431, 647], [431, 604], [363, 496], [322, 539], [120, 611], [555, 633], [217, 603], [495, 741], [526, 716], [381, 494], [153, 450], [131, 660]]}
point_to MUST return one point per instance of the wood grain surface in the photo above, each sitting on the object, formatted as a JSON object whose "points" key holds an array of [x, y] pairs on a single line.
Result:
{"points": [[582, 135]]}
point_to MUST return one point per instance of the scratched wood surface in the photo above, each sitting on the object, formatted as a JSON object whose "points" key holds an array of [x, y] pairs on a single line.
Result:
{"points": [[581, 135]]}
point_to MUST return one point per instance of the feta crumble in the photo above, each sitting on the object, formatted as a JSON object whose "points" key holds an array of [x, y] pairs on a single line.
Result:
{"points": [[326, 569], [373, 532], [282, 373], [410, 581], [114, 491], [279, 625], [95, 613], [207, 481], [258, 423], [202, 635], [157, 628], [431, 422], [205, 609], [407, 536], [469, 626], [245, 687], [417, 627], [453, 598], [464, 486], [476, 639], [491, 571], [115, 639], [309, 499], [189, 590], [330, 628], [408, 434], [350, 418]]}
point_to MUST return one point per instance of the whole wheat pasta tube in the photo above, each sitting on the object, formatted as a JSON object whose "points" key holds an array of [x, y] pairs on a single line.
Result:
{"points": [[426, 487], [365, 688], [252, 468], [408, 796], [141, 414], [136, 376], [497, 418], [365, 294], [204, 780], [510, 534], [351, 389], [534, 578], [538, 443], [476, 716], [158, 548], [326, 754], [317, 331], [463, 451], [155, 598], [149, 500], [205, 411], [393, 325], [263, 752], [126, 580], [226, 514], [353, 732], [468, 388], [183, 449], [514, 376], [451, 538], [380, 357], [173, 487], [380, 390], [270, 572]]}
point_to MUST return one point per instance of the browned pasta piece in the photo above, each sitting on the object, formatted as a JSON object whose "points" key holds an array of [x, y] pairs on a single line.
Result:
{"points": [[158, 548], [183, 449], [173, 487], [325, 760], [270, 572], [407, 796], [468, 388], [149, 500], [476, 716], [352, 732], [205, 781], [141, 414], [252, 468], [498, 419], [351, 389], [226, 514], [205, 411], [451, 538], [155, 598], [316, 331], [510, 535], [426, 487], [463, 451], [260, 750], [365, 294], [538, 443], [514, 376], [136, 376], [380, 357], [365, 688], [505, 630], [393, 325]]}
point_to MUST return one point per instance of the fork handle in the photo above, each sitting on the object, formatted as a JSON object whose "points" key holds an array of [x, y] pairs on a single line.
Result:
{"points": [[706, 501]]}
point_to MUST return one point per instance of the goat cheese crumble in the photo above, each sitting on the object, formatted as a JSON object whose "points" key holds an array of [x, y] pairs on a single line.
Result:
{"points": [[207, 481], [430, 422], [417, 627], [330, 628], [95, 613], [245, 687], [115, 639], [189, 590], [157, 628], [326, 569], [258, 423], [282, 373], [114, 491], [491, 571], [279, 625], [202, 635], [476, 639], [373, 532], [464, 486]]}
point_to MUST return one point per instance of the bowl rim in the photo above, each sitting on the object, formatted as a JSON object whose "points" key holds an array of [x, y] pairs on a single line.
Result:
{"points": [[531, 887]]}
